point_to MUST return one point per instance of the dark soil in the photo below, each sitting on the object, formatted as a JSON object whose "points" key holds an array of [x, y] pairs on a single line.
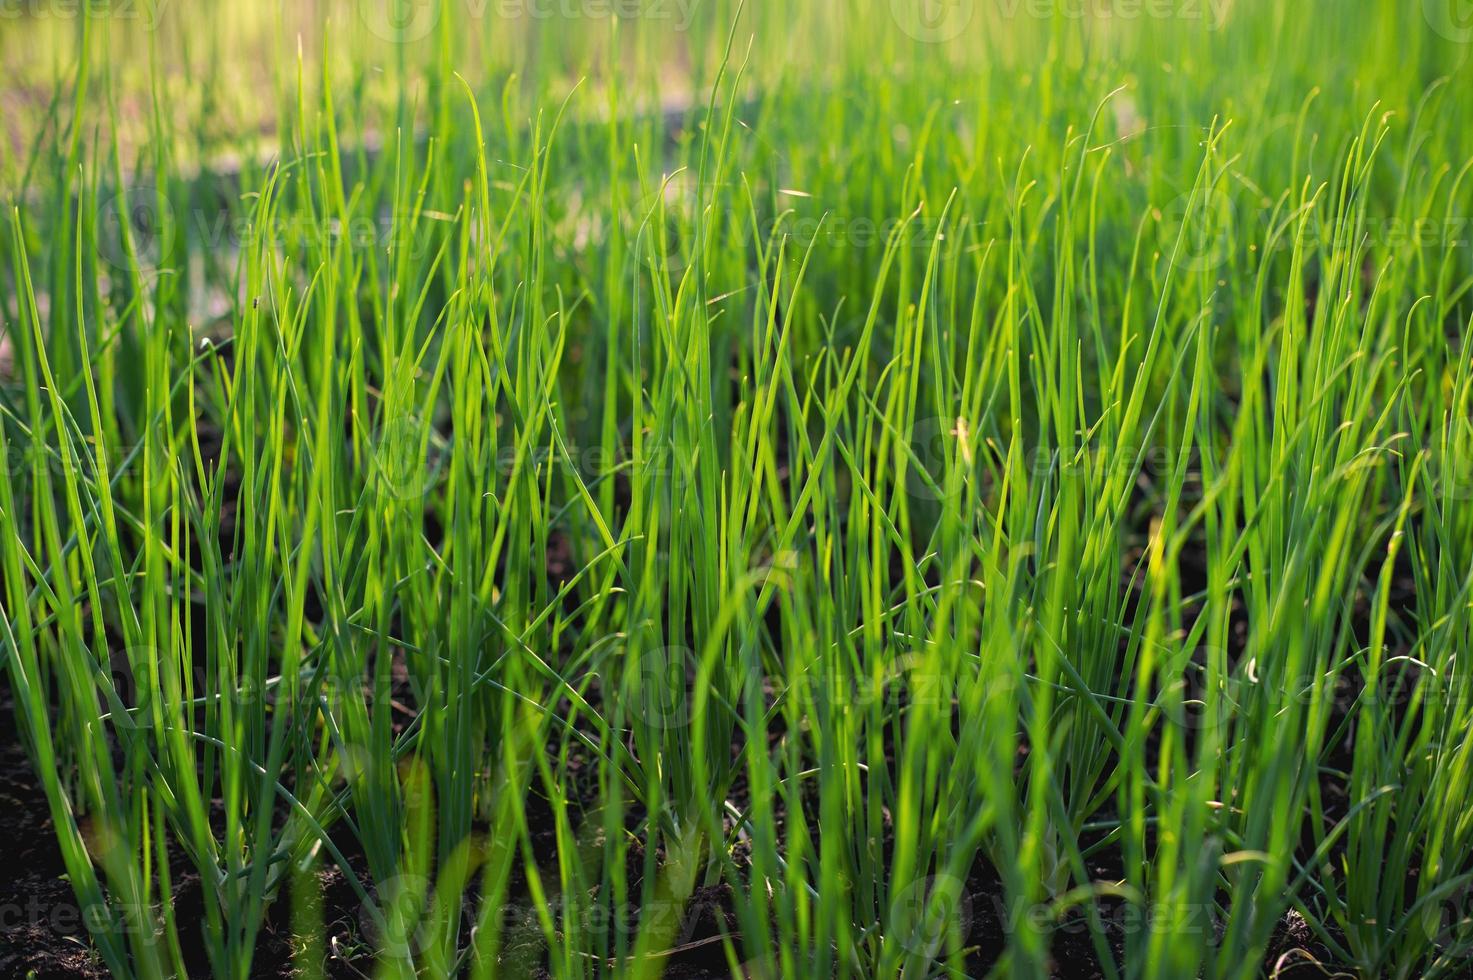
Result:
{"points": [[41, 928], [42, 932]]}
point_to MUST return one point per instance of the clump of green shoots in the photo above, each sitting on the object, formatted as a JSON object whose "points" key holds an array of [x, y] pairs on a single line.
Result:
{"points": [[931, 488]]}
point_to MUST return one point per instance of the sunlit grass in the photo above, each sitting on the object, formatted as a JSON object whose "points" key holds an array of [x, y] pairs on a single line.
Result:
{"points": [[931, 478]]}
